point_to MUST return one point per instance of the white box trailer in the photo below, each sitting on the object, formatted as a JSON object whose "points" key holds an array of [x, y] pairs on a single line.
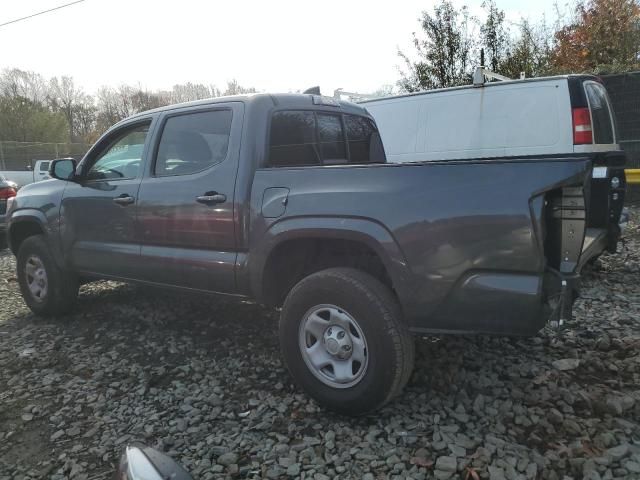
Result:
{"points": [[554, 115]]}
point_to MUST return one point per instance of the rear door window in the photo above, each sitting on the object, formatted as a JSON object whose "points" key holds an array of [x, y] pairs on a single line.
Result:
{"points": [[193, 142], [603, 132], [301, 138]]}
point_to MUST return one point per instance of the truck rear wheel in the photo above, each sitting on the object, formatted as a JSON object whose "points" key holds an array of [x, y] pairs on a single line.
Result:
{"points": [[344, 341], [46, 288]]}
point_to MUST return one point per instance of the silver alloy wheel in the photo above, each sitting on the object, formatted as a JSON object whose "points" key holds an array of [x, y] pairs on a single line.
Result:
{"points": [[333, 346], [36, 276]]}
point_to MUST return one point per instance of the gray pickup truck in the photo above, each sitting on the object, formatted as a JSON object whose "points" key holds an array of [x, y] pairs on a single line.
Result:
{"points": [[288, 200]]}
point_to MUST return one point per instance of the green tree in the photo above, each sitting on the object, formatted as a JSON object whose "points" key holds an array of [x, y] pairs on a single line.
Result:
{"points": [[24, 120], [528, 52], [445, 54], [494, 34]]}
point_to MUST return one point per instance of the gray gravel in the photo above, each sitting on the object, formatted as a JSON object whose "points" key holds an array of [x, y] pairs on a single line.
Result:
{"points": [[202, 380]]}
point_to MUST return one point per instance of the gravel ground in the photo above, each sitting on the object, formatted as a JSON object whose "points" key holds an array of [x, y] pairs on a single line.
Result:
{"points": [[202, 380]]}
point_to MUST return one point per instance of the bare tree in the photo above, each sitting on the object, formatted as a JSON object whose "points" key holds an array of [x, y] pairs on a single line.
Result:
{"points": [[21, 83], [234, 88], [63, 97], [84, 115], [192, 91]]}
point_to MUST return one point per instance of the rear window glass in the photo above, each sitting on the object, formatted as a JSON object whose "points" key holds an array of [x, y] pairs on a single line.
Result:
{"points": [[310, 138], [44, 167], [362, 136], [293, 139], [331, 139], [600, 113]]}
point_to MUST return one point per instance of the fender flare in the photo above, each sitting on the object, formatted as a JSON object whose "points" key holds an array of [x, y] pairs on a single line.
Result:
{"points": [[362, 230], [30, 215]]}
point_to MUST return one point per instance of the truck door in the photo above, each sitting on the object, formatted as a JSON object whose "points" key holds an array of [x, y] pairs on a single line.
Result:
{"points": [[186, 223], [41, 171], [98, 212]]}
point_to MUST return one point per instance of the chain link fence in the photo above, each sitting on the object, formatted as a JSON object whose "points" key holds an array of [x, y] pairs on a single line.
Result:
{"points": [[22, 155], [624, 91]]}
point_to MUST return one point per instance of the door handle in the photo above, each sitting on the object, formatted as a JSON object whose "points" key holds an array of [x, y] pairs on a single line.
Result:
{"points": [[211, 198], [124, 200]]}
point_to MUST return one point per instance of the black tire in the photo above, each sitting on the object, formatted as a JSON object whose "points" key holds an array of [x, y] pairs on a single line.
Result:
{"points": [[390, 347], [62, 286]]}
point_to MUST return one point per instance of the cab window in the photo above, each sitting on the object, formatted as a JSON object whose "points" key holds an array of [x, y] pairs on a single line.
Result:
{"points": [[293, 139], [365, 145], [193, 142], [122, 157], [300, 138]]}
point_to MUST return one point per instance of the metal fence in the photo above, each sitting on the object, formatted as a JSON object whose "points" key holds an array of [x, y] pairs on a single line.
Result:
{"points": [[22, 155], [624, 91]]}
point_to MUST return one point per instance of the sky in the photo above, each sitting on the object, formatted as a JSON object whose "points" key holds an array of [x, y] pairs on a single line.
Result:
{"points": [[274, 45]]}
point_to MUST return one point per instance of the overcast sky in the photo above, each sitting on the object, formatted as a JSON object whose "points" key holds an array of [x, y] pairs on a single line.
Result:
{"points": [[271, 45]]}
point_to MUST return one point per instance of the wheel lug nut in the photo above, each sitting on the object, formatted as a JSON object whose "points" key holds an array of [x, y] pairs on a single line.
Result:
{"points": [[340, 335]]}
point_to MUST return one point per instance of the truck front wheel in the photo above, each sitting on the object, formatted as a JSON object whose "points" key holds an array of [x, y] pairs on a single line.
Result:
{"points": [[46, 288], [344, 341]]}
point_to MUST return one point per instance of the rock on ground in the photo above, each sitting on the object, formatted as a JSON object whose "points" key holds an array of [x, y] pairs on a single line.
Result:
{"points": [[202, 380]]}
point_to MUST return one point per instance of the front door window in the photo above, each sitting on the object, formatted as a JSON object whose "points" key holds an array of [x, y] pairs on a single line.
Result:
{"points": [[122, 157]]}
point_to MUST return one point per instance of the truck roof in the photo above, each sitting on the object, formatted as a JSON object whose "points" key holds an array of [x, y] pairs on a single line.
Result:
{"points": [[486, 84], [287, 100]]}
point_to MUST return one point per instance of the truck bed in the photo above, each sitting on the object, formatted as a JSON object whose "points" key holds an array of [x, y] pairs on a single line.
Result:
{"points": [[465, 239]]}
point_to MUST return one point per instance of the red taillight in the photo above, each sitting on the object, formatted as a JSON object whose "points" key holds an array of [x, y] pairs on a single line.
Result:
{"points": [[7, 192], [582, 132]]}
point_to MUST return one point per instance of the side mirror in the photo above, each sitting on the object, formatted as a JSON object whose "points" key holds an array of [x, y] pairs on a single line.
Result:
{"points": [[63, 169], [143, 463]]}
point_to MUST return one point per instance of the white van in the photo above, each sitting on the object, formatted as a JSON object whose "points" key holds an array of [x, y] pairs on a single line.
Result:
{"points": [[541, 116], [563, 115]]}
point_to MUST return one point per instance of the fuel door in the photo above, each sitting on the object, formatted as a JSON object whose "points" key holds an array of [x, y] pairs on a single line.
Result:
{"points": [[274, 202]]}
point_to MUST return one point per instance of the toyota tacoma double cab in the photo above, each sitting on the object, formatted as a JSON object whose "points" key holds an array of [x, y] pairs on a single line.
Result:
{"points": [[288, 199]]}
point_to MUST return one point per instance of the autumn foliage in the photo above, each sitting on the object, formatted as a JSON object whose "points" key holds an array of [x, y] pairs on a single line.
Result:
{"points": [[604, 37], [599, 36]]}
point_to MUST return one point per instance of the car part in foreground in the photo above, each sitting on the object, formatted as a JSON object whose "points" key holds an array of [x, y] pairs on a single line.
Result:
{"points": [[143, 463]]}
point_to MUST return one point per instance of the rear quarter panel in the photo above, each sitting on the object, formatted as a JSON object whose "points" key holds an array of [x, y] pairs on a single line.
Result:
{"points": [[434, 224]]}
